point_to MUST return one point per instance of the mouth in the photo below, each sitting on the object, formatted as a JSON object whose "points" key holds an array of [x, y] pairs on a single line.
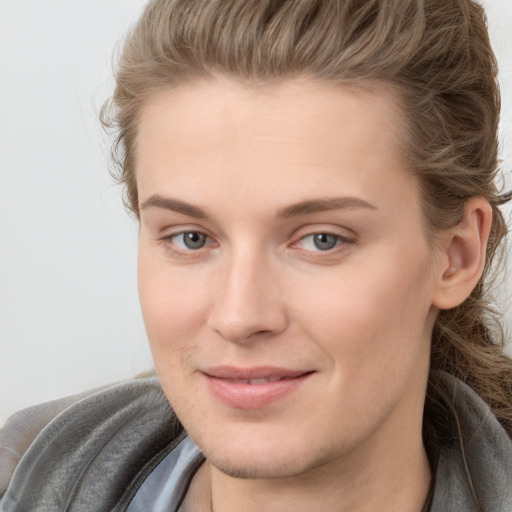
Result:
{"points": [[253, 388], [256, 382]]}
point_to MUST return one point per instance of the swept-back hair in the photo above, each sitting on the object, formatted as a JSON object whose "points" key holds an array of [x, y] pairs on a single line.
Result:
{"points": [[434, 54]]}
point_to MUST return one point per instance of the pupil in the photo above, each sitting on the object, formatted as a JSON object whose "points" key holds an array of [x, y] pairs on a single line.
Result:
{"points": [[324, 241], [194, 240]]}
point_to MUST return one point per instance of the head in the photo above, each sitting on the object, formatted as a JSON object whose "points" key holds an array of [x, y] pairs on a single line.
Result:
{"points": [[424, 66]]}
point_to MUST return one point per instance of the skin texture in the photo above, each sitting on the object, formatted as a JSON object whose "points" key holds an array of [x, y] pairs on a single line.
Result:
{"points": [[259, 292]]}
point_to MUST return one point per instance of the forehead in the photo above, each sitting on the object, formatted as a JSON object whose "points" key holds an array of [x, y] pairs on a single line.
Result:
{"points": [[229, 108], [300, 135]]}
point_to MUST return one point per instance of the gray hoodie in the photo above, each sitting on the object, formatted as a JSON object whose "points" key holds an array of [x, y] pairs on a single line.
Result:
{"points": [[91, 453]]}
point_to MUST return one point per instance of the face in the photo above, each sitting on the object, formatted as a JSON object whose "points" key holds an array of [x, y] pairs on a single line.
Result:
{"points": [[285, 277]]}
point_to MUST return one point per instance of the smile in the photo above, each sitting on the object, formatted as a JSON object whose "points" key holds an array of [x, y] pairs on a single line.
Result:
{"points": [[257, 381], [253, 388]]}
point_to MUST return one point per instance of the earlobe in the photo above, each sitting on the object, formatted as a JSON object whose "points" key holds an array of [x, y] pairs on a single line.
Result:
{"points": [[463, 255]]}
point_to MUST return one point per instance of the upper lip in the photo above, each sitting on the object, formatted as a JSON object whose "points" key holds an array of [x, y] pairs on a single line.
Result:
{"points": [[258, 372]]}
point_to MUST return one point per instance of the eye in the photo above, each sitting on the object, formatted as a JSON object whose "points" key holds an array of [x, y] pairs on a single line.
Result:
{"points": [[189, 240], [321, 242]]}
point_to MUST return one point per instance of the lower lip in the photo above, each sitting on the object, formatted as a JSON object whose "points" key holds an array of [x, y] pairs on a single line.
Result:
{"points": [[253, 396]]}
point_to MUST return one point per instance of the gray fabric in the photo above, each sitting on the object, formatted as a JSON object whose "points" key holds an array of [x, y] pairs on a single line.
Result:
{"points": [[21, 429], [483, 447], [95, 454], [165, 488]]}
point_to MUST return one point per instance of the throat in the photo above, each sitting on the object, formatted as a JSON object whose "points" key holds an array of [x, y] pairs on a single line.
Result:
{"points": [[199, 494], [250, 496]]}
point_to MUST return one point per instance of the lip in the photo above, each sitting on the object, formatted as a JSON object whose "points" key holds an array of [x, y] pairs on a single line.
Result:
{"points": [[231, 385]]}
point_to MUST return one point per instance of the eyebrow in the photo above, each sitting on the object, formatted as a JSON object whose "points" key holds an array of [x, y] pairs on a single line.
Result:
{"points": [[323, 205], [294, 210], [174, 205]]}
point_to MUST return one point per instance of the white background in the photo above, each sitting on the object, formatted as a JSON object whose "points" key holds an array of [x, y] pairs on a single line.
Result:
{"points": [[69, 315]]}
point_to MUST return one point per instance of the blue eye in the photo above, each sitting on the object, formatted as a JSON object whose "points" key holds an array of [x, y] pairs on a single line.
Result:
{"points": [[325, 241], [321, 241], [191, 240]]}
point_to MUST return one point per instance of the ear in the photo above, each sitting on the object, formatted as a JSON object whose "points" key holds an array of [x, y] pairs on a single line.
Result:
{"points": [[462, 256]]}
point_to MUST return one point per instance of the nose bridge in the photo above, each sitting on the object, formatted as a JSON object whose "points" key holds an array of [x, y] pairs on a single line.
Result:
{"points": [[248, 302]]}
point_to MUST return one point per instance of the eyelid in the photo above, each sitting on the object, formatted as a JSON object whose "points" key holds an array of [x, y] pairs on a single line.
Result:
{"points": [[340, 238], [167, 241], [328, 229], [172, 230], [298, 237], [346, 237]]}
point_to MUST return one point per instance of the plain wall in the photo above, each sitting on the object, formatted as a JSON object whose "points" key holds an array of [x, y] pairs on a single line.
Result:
{"points": [[69, 314]]}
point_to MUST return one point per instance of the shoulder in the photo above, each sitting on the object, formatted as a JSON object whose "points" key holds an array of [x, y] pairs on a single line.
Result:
{"points": [[22, 428], [474, 469], [88, 447]]}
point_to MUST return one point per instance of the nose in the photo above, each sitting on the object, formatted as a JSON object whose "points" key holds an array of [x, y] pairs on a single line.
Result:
{"points": [[248, 305]]}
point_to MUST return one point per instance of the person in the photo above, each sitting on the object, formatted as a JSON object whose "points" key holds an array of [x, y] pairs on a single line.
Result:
{"points": [[315, 186]]}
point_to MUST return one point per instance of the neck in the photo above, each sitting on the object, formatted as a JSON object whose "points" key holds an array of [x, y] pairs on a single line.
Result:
{"points": [[396, 483]]}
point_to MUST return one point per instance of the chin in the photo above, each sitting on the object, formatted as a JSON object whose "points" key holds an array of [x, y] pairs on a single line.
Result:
{"points": [[263, 455], [274, 466]]}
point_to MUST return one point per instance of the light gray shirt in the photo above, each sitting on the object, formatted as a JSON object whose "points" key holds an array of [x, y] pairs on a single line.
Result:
{"points": [[165, 488]]}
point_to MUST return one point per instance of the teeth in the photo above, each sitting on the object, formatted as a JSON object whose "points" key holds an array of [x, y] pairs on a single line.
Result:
{"points": [[263, 381], [255, 381]]}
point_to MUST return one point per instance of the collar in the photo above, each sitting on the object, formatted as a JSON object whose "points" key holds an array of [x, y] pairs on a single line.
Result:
{"points": [[474, 467]]}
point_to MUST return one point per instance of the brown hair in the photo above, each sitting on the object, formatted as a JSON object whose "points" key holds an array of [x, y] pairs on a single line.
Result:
{"points": [[435, 53]]}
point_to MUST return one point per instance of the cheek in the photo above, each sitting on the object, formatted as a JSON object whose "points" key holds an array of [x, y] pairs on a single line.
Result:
{"points": [[367, 317], [173, 307]]}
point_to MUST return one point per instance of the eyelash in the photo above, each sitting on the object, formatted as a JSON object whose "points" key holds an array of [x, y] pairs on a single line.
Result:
{"points": [[339, 241], [188, 252], [170, 243]]}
